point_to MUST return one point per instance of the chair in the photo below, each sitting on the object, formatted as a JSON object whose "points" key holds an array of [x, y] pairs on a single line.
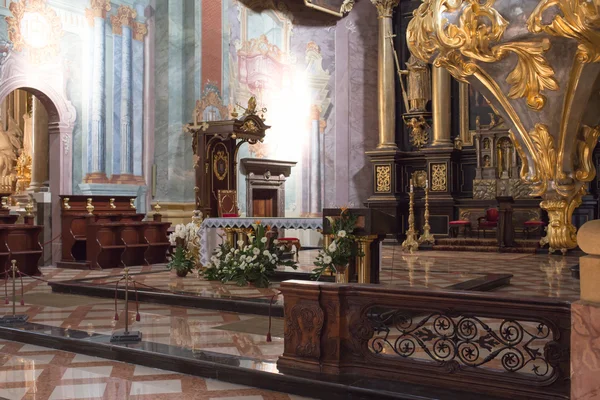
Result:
{"points": [[228, 204], [455, 226], [532, 226], [490, 221], [289, 242]]}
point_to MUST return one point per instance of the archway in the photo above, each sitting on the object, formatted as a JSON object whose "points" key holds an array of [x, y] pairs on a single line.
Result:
{"points": [[61, 117]]}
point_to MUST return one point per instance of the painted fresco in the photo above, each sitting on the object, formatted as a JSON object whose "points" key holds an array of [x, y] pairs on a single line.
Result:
{"points": [[289, 68]]}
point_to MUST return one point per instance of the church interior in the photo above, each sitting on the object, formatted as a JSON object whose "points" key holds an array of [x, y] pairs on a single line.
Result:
{"points": [[285, 199]]}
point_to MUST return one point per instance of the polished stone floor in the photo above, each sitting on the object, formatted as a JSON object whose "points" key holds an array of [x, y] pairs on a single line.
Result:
{"points": [[29, 372]]}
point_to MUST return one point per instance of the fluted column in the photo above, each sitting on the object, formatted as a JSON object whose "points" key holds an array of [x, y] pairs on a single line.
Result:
{"points": [[440, 104], [96, 15], [39, 150], [385, 76]]}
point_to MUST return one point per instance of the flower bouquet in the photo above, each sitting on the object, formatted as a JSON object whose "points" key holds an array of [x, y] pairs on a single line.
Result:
{"points": [[185, 257], [245, 263], [336, 257]]}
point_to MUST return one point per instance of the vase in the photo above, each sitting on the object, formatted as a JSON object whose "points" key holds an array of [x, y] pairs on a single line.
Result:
{"points": [[340, 274], [182, 273]]}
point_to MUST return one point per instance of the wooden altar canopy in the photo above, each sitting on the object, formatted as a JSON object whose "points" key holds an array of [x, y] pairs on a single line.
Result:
{"points": [[215, 145]]}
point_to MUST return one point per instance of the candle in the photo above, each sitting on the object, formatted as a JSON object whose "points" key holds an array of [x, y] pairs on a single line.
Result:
{"points": [[411, 186], [426, 183]]}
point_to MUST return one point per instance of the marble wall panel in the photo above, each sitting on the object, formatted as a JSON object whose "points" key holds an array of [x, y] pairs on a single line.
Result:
{"points": [[585, 351], [115, 152], [138, 105]]}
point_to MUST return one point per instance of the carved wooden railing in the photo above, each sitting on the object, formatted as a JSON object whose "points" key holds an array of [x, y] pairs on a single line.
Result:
{"points": [[506, 346]]}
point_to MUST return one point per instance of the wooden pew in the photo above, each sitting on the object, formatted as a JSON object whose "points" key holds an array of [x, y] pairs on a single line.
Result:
{"points": [[74, 223], [126, 243], [19, 242]]}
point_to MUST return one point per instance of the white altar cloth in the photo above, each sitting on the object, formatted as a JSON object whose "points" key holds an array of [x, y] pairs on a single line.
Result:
{"points": [[281, 223]]}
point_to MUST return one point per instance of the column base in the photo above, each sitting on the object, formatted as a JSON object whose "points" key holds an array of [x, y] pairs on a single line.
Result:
{"points": [[96, 177], [127, 179]]}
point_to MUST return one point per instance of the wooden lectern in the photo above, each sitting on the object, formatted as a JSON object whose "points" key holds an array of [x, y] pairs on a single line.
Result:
{"points": [[215, 145], [371, 228]]}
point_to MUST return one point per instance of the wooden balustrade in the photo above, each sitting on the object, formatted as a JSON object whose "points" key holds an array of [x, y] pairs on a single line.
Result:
{"points": [[502, 346]]}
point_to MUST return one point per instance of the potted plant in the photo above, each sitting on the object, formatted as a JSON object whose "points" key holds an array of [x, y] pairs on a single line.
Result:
{"points": [[336, 257], [248, 262], [181, 261]]}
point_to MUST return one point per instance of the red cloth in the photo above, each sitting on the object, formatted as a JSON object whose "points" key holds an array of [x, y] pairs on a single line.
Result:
{"points": [[288, 239], [230, 216], [488, 224], [534, 223], [466, 223]]}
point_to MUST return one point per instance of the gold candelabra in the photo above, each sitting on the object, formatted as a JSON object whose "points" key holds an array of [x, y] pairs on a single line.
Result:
{"points": [[426, 237], [411, 244]]}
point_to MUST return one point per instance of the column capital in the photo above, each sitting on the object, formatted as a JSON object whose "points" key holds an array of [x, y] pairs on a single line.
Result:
{"points": [[125, 16], [98, 8], [139, 31], [385, 8]]}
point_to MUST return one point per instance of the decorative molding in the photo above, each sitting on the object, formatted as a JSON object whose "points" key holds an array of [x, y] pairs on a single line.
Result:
{"points": [[125, 16], [38, 15]]}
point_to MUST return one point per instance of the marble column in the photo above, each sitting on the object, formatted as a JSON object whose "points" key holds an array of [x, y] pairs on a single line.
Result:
{"points": [[385, 73], [97, 14], [440, 105], [126, 105], [585, 318], [39, 150]]}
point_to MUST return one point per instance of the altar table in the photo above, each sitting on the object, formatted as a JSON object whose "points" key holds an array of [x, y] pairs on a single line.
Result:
{"points": [[280, 223]]}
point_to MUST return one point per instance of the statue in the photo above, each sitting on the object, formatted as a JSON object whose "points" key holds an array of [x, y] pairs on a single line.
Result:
{"points": [[23, 172], [10, 145], [419, 84], [419, 137], [251, 109]]}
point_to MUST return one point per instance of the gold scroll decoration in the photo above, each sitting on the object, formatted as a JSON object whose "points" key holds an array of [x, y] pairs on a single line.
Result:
{"points": [[383, 178], [439, 177]]}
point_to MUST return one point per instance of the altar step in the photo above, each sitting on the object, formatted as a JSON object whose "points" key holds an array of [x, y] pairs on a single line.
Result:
{"points": [[530, 246]]}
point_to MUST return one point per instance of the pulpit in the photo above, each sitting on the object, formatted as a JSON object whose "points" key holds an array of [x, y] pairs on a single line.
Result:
{"points": [[215, 145], [371, 228]]}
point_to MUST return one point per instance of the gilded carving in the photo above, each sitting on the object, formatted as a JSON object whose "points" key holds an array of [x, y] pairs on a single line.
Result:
{"points": [[477, 37], [470, 38], [420, 179], [385, 8], [249, 126], [419, 136], [125, 16], [383, 177], [221, 165], [140, 30], [439, 177], [36, 27], [418, 84]]}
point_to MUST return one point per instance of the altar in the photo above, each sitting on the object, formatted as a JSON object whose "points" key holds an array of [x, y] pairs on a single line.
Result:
{"points": [[207, 246]]}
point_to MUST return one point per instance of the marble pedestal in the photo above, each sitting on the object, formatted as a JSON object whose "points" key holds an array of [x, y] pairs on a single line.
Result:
{"points": [[44, 217], [585, 351]]}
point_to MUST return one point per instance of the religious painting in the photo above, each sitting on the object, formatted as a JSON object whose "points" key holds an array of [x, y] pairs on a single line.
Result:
{"points": [[334, 7]]}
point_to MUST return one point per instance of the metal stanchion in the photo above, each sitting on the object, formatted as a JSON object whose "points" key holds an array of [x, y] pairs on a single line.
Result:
{"points": [[14, 318], [126, 336]]}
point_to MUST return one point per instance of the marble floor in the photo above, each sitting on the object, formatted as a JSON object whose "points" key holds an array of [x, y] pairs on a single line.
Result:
{"points": [[29, 372]]}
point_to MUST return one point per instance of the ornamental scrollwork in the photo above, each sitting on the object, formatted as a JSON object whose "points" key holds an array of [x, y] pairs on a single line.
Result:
{"points": [[460, 341], [439, 178], [477, 37], [383, 176]]}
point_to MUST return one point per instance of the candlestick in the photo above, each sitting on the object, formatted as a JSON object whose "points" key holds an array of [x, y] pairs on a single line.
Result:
{"points": [[411, 243], [426, 237]]}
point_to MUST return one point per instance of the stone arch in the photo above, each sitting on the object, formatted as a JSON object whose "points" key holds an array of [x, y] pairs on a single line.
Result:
{"points": [[48, 84]]}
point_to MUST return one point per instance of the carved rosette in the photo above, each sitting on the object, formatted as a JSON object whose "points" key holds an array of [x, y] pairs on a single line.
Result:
{"points": [[385, 8], [535, 65]]}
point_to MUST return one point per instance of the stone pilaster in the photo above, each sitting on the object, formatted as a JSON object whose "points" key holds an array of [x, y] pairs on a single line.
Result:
{"points": [[96, 15]]}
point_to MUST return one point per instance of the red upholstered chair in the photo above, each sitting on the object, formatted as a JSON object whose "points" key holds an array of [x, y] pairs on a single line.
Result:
{"points": [[228, 204], [490, 221], [532, 226], [456, 225], [289, 242]]}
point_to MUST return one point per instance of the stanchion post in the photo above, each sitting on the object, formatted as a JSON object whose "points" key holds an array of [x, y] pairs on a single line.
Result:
{"points": [[126, 336], [14, 318]]}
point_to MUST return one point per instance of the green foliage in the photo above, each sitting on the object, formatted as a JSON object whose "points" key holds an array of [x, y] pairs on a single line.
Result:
{"points": [[252, 263], [181, 260], [343, 247]]}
